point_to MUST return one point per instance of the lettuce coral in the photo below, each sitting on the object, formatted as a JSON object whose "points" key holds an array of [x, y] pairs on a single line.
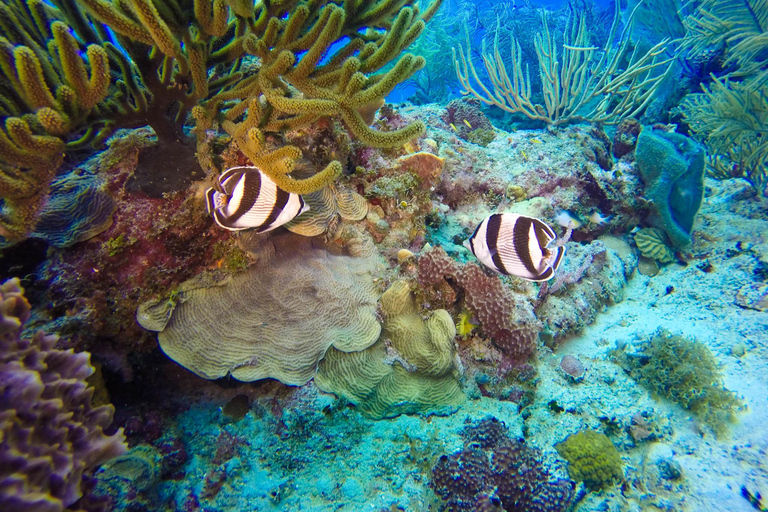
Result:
{"points": [[275, 320], [50, 432], [409, 370]]}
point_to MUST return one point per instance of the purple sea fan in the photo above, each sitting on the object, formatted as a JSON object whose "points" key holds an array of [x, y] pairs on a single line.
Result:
{"points": [[50, 433]]}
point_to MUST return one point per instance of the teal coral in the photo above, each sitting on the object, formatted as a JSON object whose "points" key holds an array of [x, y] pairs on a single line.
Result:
{"points": [[592, 459], [51, 432], [672, 169], [685, 372], [79, 208]]}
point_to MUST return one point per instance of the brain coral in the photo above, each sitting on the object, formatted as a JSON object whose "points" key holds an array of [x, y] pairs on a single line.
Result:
{"points": [[410, 369], [50, 433], [592, 458], [275, 320]]}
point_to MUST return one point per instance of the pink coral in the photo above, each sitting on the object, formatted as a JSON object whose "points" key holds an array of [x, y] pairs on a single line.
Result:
{"points": [[505, 317], [572, 366]]}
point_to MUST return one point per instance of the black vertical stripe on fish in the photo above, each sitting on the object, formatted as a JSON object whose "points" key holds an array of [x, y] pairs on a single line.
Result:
{"points": [[558, 257], [251, 189], [281, 199], [210, 202], [520, 239], [472, 239], [228, 181], [544, 233], [492, 229]]}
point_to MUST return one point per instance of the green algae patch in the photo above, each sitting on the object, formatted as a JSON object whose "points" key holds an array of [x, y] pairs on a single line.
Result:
{"points": [[685, 372]]}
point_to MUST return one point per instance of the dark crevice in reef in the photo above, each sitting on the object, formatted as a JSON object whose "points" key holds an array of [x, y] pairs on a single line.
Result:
{"points": [[168, 166]]}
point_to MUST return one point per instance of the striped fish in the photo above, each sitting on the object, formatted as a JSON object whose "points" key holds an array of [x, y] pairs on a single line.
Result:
{"points": [[516, 245], [247, 198]]}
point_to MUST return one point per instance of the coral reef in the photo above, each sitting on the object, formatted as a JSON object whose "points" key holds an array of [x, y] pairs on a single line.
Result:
{"points": [[672, 168], [494, 472], [51, 432], [276, 320], [409, 370], [504, 316], [685, 372], [593, 276], [592, 459], [151, 64]]}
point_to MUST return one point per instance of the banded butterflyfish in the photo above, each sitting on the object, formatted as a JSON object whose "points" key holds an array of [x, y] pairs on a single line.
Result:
{"points": [[513, 244], [246, 198]]}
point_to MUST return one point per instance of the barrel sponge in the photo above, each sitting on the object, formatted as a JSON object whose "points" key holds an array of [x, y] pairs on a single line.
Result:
{"points": [[275, 320], [410, 368], [592, 458], [671, 166], [50, 431]]}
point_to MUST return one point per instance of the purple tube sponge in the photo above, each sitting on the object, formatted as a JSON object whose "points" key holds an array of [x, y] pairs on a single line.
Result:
{"points": [[50, 433]]}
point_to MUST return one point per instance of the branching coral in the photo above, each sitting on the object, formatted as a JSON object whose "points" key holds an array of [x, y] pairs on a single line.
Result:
{"points": [[740, 26], [732, 119], [56, 96], [173, 55], [576, 85], [50, 432], [297, 83]]}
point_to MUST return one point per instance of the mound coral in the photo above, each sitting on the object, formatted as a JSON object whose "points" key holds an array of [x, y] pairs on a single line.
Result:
{"points": [[50, 433], [592, 459], [409, 370], [494, 472], [276, 320], [505, 317]]}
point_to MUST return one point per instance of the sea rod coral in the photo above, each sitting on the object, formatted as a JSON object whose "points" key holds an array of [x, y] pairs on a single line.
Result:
{"points": [[138, 63], [50, 433]]}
